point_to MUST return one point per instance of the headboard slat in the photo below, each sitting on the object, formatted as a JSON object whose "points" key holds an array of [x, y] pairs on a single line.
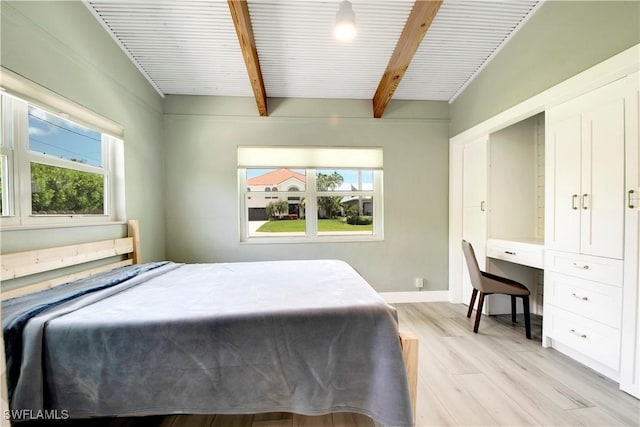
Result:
{"points": [[24, 290], [32, 262]]}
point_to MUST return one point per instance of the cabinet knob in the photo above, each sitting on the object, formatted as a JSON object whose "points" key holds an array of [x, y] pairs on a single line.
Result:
{"points": [[579, 297], [573, 331]]}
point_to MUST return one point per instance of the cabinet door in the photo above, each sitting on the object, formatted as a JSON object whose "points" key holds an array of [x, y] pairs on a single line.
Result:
{"points": [[562, 185], [602, 198], [474, 215], [630, 350], [474, 174], [474, 231]]}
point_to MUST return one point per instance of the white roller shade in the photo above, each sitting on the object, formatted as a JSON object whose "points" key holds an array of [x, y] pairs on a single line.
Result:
{"points": [[310, 157], [27, 90]]}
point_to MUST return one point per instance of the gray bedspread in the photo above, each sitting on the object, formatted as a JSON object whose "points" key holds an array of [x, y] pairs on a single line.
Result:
{"points": [[309, 337]]}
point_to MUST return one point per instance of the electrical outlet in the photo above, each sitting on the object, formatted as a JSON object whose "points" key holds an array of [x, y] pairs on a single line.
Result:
{"points": [[419, 282]]}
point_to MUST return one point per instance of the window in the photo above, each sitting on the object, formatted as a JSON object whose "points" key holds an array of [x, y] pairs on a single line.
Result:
{"points": [[332, 194], [54, 169]]}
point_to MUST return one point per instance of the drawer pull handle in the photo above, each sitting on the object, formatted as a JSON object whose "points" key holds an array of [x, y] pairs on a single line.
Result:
{"points": [[509, 252], [482, 206], [573, 331], [580, 298], [574, 198], [630, 199], [583, 266], [584, 201]]}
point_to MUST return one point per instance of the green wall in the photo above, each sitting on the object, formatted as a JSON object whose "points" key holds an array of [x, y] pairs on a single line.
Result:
{"points": [[562, 39], [61, 46], [202, 181]]}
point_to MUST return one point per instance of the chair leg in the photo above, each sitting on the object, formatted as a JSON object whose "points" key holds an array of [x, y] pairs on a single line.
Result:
{"points": [[479, 312], [513, 308], [473, 301], [527, 315]]}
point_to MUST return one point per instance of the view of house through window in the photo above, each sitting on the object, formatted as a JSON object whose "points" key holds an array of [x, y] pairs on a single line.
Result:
{"points": [[327, 194], [292, 202], [277, 201]]}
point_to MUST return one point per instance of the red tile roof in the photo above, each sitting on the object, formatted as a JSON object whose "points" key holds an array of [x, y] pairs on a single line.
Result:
{"points": [[276, 177]]}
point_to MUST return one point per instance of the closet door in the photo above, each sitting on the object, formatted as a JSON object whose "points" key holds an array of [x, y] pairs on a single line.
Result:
{"points": [[602, 198], [630, 351], [475, 160], [562, 184], [474, 211]]}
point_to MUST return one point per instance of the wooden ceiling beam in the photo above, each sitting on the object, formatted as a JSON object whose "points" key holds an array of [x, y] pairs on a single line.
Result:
{"points": [[242, 21], [419, 21]]}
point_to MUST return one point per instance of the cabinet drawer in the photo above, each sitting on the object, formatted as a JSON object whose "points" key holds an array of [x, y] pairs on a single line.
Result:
{"points": [[593, 300], [595, 340], [516, 252], [597, 269]]}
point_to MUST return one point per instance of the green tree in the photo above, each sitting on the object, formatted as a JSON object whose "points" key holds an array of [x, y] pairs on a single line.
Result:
{"points": [[326, 182], [278, 208], [328, 206], [55, 189]]}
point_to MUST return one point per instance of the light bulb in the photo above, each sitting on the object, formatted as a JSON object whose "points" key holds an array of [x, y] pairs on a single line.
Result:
{"points": [[345, 29]]}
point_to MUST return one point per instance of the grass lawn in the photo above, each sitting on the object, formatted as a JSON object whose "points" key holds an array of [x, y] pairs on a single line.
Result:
{"points": [[298, 225]]}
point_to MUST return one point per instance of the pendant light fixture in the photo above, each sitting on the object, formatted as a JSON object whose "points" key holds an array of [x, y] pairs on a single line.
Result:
{"points": [[345, 29]]}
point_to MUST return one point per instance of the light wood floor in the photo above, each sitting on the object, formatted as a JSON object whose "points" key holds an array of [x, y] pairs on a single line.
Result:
{"points": [[498, 377], [494, 378]]}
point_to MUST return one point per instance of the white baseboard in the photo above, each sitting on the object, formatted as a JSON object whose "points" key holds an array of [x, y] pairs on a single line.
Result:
{"points": [[415, 296]]}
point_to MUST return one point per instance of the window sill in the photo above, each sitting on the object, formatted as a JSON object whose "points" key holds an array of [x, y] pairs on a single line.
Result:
{"points": [[310, 240], [24, 227]]}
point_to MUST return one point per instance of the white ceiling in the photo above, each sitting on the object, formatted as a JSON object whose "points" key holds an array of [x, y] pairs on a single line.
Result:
{"points": [[191, 47]]}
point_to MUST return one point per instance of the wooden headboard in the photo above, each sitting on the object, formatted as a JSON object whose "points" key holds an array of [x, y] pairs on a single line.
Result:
{"points": [[21, 264]]}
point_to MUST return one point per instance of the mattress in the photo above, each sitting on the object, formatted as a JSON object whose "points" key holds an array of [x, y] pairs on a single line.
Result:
{"points": [[308, 337]]}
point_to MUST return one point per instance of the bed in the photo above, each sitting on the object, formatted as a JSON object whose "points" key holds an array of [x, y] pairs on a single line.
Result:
{"points": [[126, 339]]}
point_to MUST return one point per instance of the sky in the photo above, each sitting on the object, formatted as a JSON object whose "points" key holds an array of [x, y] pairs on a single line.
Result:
{"points": [[58, 137]]}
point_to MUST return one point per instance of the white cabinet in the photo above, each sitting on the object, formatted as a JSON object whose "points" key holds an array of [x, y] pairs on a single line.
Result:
{"points": [[563, 161], [583, 301], [589, 142], [475, 174], [585, 174], [474, 211], [630, 350], [591, 199]]}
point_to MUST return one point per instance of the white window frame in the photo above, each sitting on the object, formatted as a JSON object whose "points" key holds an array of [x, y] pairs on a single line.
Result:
{"points": [[321, 158], [17, 178]]}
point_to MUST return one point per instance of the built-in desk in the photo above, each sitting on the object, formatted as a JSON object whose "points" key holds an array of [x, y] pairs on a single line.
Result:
{"points": [[521, 260], [528, 252]]}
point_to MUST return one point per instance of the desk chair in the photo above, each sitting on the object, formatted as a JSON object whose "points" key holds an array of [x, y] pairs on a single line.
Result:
{"points": [[487, 284]]}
